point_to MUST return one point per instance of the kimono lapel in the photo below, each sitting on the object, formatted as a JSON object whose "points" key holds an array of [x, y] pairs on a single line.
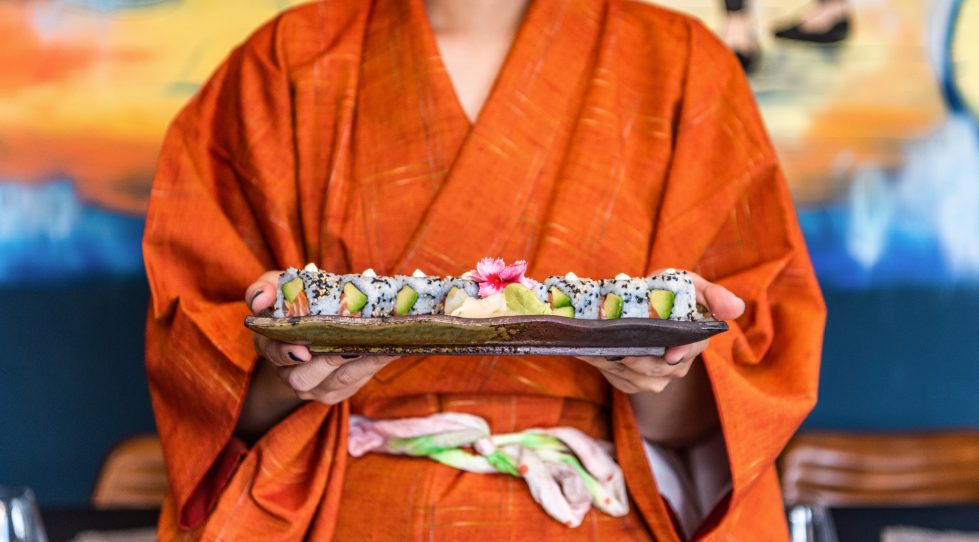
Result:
{"points": [[408, 129], [495, 197], [602, 213]]}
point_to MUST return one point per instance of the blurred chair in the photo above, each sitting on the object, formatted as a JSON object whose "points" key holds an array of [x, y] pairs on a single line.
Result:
{"points": [[132, 476], [821, 470]]}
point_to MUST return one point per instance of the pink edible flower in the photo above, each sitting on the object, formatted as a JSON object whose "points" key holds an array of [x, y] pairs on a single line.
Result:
{"points": [[493, 275]]}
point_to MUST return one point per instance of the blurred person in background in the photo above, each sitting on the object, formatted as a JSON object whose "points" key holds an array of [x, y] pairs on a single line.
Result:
{"points": [[827, 22]]}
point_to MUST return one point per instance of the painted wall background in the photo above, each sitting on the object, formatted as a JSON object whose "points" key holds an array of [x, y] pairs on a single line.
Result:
{"points": [[878, 138], [882, 159], [87, 90]]}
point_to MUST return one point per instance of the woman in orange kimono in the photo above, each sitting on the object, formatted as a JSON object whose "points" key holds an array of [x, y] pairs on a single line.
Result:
{"points": [[617, 137]]}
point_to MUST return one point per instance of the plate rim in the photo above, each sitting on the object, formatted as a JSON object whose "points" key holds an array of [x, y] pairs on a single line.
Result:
{"points": [[573, 337], [263, 321]]}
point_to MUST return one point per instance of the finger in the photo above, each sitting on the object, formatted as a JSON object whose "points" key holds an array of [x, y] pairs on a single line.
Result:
{"points": [[356, 370], [604, 365], [261, 294], [622, 384], [676, 354], [683, 369], [281, 354], [638, 372], [639, 385], [652, 384], [723, 303], [657, 385], [332, 397], [338, 360], [649, 367], [307, 376]]}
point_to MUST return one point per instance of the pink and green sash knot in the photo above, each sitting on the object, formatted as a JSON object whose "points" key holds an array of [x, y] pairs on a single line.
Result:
{"points": [[567, 471]]}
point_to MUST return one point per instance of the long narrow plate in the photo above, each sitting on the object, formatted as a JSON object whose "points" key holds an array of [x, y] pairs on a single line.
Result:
{"points": [[509, 336]]}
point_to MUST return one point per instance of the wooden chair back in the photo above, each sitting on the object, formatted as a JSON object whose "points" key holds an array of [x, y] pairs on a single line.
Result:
{"points": [[132, 476], [839, 469]]}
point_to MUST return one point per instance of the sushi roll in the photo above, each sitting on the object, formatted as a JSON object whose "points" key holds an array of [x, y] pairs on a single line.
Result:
{"points": [[672, 296], [624, 297], [457, 290], [367, 295], [573, 297], [540, 290], [419, 294], [290, 298], [308, 291], [322, 290]]}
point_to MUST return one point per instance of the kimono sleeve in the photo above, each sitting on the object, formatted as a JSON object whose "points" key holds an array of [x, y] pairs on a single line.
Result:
{"points": [[219, 216], [727, 213]]}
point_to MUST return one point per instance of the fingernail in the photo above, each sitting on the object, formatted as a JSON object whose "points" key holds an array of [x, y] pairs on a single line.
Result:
{"points": [[296, 358], [251, 304], [615, 358], [350, 356], [674, 362]]}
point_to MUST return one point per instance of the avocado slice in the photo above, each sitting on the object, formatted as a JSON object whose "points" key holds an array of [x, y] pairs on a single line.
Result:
{"points": [[405, 300], [567, 312], [559, 299], [522, 301], [353, 297], [612, 307], [291, 289], [661, 303]]}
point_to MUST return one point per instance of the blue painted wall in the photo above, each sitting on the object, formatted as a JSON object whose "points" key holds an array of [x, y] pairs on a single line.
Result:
{"points": [[900, 358], [72, 382]]}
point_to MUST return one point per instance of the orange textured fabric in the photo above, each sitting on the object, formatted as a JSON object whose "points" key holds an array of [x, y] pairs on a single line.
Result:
{"points": [[619, 137]]}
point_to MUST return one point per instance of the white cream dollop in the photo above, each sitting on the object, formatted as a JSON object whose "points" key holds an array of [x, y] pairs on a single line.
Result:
{"points": [[622, 276], [369, 272], [570, 276], [419, 274], [311, 267], [493, 306]]}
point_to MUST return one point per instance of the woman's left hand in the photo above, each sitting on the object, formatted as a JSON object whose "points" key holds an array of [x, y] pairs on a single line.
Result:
{"points": [[654, 373]]}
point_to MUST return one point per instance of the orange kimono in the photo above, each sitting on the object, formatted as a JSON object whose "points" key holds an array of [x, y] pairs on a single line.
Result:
{"points": [[619, 137]]}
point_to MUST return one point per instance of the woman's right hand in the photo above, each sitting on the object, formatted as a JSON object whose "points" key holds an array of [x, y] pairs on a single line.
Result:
{"points": [[325, 378]]}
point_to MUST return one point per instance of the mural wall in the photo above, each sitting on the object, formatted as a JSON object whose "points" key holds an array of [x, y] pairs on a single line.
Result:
{"points": [[874, 134], [87, 88], [877, 135]]}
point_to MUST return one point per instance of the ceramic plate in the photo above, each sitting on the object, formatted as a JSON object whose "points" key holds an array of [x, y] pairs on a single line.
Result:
{"points": [[509, 336]]}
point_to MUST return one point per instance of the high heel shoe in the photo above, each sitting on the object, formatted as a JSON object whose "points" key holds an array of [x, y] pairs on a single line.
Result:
{"points": [[835, 34]]}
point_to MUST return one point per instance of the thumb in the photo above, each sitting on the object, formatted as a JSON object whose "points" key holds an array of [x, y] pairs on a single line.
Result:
{"points": [[261, 294], [722, 302]]}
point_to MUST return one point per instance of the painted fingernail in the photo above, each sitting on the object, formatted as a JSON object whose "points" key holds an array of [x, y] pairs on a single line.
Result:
{"points": [[615, 358], [251, 304], [350, 356], [295, 358]]}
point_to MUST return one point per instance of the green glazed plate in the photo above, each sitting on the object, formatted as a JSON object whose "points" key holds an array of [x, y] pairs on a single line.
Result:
{"points": [[509, 336]]}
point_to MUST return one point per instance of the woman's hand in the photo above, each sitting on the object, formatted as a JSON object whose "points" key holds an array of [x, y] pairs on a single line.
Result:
{"points": [[654, 373], [324, 378]]}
